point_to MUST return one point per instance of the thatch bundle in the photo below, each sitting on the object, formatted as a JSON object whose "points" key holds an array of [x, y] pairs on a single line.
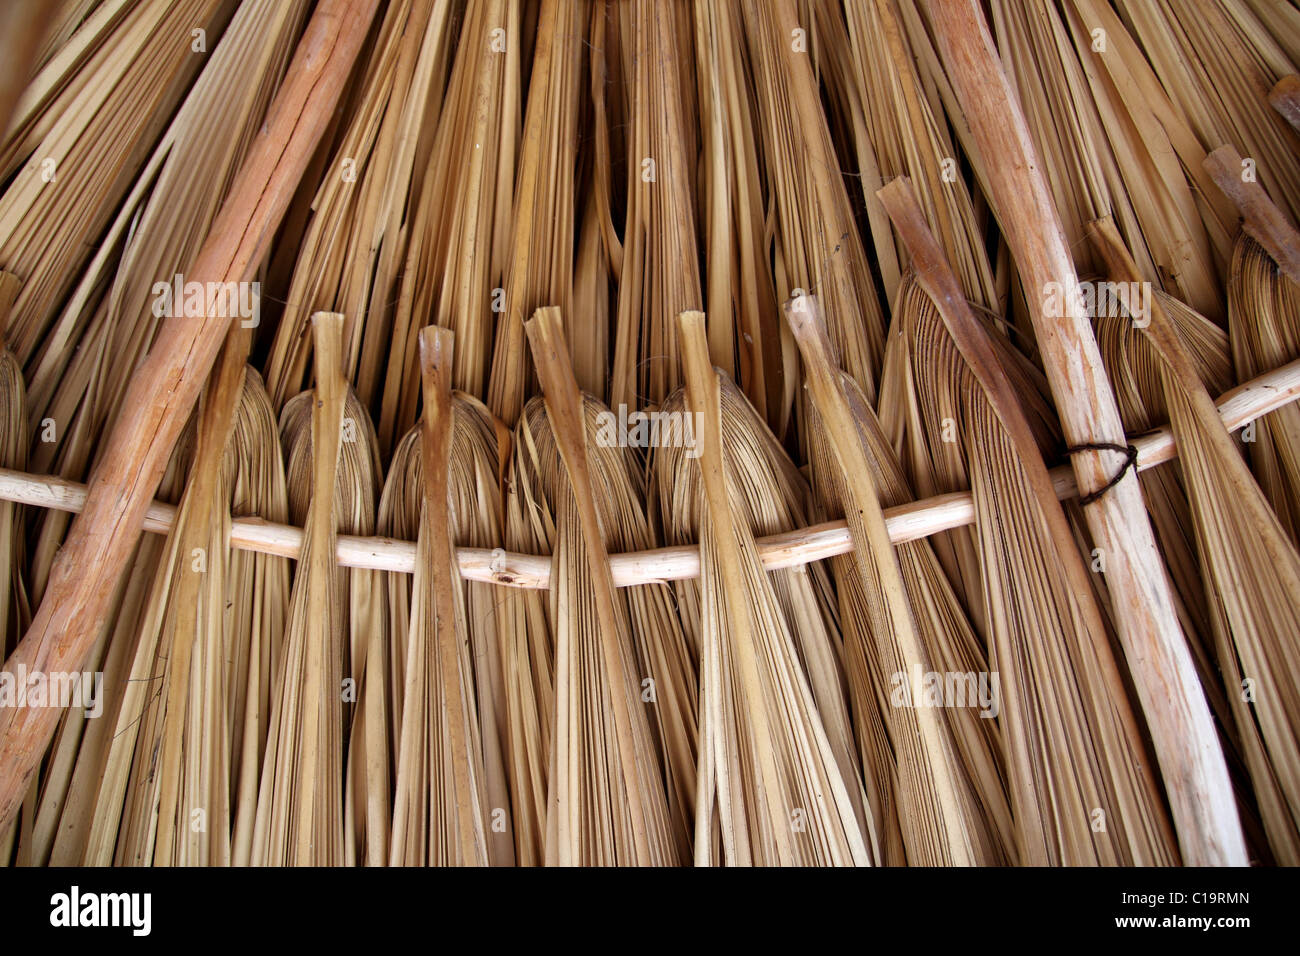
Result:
{"points": [[654, 432]]}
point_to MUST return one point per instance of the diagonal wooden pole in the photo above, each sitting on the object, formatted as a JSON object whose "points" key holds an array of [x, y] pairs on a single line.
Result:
{"points": [[165, 388], [1178, 717], [1285, 97], [1261, 219], [23, 25]]}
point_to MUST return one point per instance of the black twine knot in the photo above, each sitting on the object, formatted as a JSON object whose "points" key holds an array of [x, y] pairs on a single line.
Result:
{"points": [[1131, 457]]}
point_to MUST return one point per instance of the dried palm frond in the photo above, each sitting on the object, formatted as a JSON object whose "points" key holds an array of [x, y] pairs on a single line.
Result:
{"points": [[1280, 20], [1264, 34], [540, 267], [664, 657], [900, 136], [1208, 70], [62, 820], [162, 222], [1139, 394], [335, 624], [175, 784], [592, 278], [83, 368], [898, 624], [427, 822], [819, 249], [660, 272], [599, 258], [778, 780], [569, 648], [441, 812], [1082, 789], [1264, 329], [355, 243], [1159, 158], [460, 227], [80, 603], [1115, 160], [527, 660], [75, 33], [738, 271], [78, 163], [14, 611], [258, 606], [935, 468], [611, 758], [63, 808]]}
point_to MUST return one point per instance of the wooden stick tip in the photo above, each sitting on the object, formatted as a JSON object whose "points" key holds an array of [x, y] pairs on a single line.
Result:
{"points": [[899, 187], [322, 319], [690, 320], [1224, 161], [436, 346], [545, 332], [1289, 85]]}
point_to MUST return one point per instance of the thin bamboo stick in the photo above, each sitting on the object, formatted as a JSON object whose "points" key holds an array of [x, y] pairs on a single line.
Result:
{"points": [[909, 522]]}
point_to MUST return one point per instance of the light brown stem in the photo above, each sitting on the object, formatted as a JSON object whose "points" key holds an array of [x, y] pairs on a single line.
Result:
{"points": [[564, 409], [704, 399], [976, 349], [329, 401], [435, 435], [876, 564]]}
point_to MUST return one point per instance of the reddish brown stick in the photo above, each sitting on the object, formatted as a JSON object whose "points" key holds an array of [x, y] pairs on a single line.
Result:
{"points": [[1263, 220], [1187, 747], [1285, 98], [165, 388], [23, 24]]}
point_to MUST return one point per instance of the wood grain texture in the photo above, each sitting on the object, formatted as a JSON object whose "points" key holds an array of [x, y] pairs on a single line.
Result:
{"points": [[1285, 97]]}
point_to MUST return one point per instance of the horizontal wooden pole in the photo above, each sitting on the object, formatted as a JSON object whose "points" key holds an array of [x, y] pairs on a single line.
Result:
{"points": [[909, 522]]}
